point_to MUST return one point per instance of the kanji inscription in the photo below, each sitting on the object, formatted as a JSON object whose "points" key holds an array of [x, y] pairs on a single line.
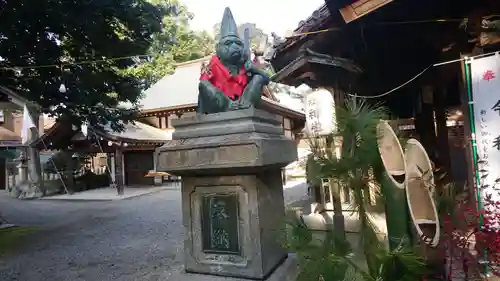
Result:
{"points": [[496, 107], [496, 143], [220, 224]]}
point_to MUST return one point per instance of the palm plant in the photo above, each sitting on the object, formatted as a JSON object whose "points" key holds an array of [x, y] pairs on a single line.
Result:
{"points": [[358, 169], [333, 259]]}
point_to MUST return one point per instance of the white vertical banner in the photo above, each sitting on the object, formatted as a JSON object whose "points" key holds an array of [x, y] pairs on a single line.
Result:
{"points": [[84, 127], [27, 125], [485, 79], [320, 113]]}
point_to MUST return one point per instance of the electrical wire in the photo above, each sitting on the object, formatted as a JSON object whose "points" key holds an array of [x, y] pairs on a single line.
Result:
{"points": [[15, 68], [381, 23], [312, 32], [420, 74], [395, 89], [62, 64]]}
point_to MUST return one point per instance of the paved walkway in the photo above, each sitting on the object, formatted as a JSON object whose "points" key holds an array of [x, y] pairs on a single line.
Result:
{"points": [[295, 190], [109, 194], [126, 240]]}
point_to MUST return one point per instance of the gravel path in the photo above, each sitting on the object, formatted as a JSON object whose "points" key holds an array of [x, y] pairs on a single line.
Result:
{"points": [[135, 239]]}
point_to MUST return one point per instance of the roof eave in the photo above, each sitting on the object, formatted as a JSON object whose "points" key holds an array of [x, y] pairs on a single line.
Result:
{"points": [[16, 98], [110, 137], [312, 23], [100, 133], [286, 111], [168, 108], [309, 57]]}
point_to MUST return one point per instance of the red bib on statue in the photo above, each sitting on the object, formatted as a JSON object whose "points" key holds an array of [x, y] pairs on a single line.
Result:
{"points": [[217, 74]]}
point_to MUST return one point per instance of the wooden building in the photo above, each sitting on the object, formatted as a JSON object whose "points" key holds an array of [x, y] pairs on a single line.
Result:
{"points": [[406, 54], [128, 154], [11, 122], [131, 152]]}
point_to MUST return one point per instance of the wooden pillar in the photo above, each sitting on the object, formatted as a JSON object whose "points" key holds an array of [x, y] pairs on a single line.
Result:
{"points": [[424, 121], [110, 158], [335, 188], [464, 102], [120, 171], [443, 149]]}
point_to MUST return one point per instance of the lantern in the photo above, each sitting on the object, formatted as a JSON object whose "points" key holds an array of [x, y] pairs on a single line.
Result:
{"points": [[320, 113]]}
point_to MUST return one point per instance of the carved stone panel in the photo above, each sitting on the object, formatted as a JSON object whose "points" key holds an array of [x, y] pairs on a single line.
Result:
{"points": [[219, 223]]}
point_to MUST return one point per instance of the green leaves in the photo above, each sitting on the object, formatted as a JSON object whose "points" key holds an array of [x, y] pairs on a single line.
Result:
{"points": [[94, 48], [76, 43], [323, 254], [175, 43], [150, 72], [400, 264], [356, 169], [319, 254]]}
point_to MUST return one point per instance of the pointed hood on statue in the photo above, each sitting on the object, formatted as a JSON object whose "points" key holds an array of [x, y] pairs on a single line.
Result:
{"points": [[228, 25]]}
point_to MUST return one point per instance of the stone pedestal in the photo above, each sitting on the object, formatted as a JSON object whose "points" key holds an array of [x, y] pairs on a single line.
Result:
{"points": [[232, 190]]}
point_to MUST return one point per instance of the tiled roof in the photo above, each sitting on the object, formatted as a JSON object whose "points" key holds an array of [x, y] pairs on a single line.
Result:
{"points": [[312, 23], [180, 88], [15, 98], [140, 132], [133, 133]]}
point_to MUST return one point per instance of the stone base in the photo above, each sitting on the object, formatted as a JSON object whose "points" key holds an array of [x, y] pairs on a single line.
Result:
{"points": [[287, 271], [254, 209], [232, 191]]}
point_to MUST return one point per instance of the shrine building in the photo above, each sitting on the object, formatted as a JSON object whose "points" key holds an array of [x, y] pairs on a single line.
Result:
{"points": [[130, 154]]}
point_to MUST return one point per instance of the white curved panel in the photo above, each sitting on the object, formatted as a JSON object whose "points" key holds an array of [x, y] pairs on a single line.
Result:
{"points": [[392, 154], [419, 195]]}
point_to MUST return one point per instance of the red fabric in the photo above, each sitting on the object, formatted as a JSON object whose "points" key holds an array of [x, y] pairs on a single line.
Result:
{"points": [[219, 76]]}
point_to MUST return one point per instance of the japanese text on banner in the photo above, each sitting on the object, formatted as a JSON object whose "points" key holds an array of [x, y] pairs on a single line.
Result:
{"points": [[486, 94]]}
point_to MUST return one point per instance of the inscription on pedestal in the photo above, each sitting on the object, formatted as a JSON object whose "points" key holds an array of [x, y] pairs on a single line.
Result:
{"points": [[220, 223]]}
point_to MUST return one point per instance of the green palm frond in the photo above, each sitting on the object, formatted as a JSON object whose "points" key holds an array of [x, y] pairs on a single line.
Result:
{"points": [[297, 237], [357, 273], [317, 257], [400, 264], [359, 165]]}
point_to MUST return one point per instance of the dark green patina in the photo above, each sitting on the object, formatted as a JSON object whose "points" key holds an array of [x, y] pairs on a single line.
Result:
{"points": [[220, 216], [234, 53]]}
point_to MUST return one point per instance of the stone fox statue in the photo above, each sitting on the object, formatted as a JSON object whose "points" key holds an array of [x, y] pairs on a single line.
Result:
{"points": [[231, 81]]}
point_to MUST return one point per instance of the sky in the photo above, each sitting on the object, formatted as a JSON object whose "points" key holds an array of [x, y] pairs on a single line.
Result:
{"points": [[276, 16]]}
